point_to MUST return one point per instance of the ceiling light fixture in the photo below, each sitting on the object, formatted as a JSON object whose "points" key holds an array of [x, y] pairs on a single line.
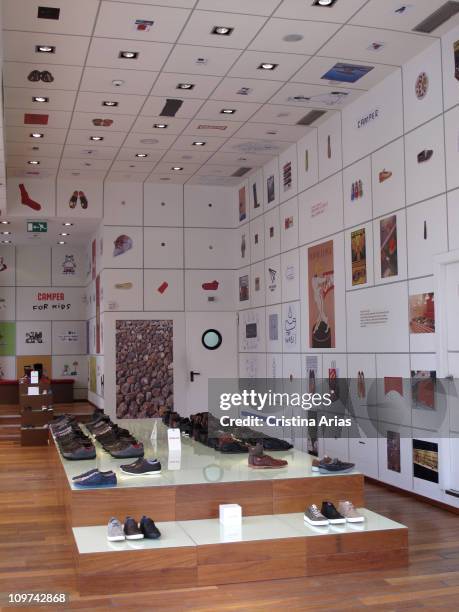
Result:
{"points": [[199, 143], [45, 49], [36, 135], [141, 154], [40, 99], [109, 103], [6, 241], [64, 234], [6, 233], [67, 224], [222, 30], [33, 162], [293, 37], [61, 242], [160, 126], [176, 168], [227, 111], [117, 82], [128, 54], [323, 2], [96, 138], [185, 86], [267, 66], [5, 222]]}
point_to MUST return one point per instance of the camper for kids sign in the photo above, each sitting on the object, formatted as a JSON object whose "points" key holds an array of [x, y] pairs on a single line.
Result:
{"points": [[50, 303]]}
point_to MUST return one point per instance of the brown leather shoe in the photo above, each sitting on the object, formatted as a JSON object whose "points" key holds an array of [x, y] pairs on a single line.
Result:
{"points": [[259, 461], [316, 462]]}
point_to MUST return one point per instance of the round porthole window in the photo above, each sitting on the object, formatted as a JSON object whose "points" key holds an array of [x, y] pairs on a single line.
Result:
{"points": [[211, 339]]}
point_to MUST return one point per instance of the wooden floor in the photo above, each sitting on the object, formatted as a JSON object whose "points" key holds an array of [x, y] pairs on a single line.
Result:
{"points": [[35, 555]]}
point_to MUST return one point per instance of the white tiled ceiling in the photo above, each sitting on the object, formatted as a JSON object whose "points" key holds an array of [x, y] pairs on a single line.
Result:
{"points": [[305, 41]]}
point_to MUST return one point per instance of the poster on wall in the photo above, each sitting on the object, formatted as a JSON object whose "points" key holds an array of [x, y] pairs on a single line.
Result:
{"points": [[393, 451], [425, 460], [242, 204], [270, 189], [92, 374], [346, 73], [290, 327], [423, 388], [321, 296], [244, 288], [250, 328], [7, 338], [50, 304], [144, 368], [98, 314], [30, 361], [388, 243], [287, 176], [359, 257], [93, 259], [422, 313], [256, 201]]}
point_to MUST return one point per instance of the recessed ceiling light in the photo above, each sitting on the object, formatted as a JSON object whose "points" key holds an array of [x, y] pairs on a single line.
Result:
{"points": [[5, 222], [33, 162], [6, 233], [45, 49], [36, 135], [67, 224], [176, 168], [222, 30], [228, 111], [117, 82], [199, 143], [48, 12], [40, 99], [109, 103], [160, 126], [6, 241], [64, 234], [293, 37], [96, 138], [141, 154], [323, 2], [267, 66], [128, 55], [185, 86], [61, 242]]}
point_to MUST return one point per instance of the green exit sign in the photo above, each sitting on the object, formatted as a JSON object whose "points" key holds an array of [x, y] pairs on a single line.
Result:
{"points": [[37, 227]]}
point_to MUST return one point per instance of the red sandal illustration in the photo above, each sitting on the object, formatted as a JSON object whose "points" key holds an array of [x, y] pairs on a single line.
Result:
{"points": [[73, 200], [27, 200], [83, 200]]}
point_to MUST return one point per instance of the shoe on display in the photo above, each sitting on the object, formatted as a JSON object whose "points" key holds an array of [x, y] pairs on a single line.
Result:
{"points": [[347, 509], [142, 467], [314, 516], [97, 479], [115, 531], [79, 453], [336, 467], [331, 513], [126, 450], [85, 474], [149, 529], [258, 460], [132, 530], [316, 463]]}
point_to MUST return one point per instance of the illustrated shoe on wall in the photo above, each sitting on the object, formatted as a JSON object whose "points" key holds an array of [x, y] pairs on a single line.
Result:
{"points": [[425, 155], [149, 529], [142, 467], [314, 516], [347, 509], [316, 463], [73, 200], [46, 76], [83, 200], [336, 466], [34, 76], [384, 175], [131, 529], [331, 513], [115, 531]]}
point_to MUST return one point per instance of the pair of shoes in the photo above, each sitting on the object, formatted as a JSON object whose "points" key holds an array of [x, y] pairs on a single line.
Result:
{"points": [[327, 465], [72, 442], [329, 515], [142, 467], [43, 75], [258, 460], [131, 530], [119, 442], [74, 199], [95, 478], [102, 122], [425, 155]]}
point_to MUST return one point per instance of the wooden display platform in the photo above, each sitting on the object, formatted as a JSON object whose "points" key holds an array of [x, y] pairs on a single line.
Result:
{"points": [[201, 501]]}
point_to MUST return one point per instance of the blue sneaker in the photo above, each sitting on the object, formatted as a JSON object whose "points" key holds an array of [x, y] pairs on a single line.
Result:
{"points": [[97, 479], [88, 473]]}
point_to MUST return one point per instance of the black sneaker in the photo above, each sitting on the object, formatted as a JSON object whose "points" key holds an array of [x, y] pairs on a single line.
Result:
{"points": [[149, 529], [331, 513], [131, 529], [142, 467], [336, 466]]}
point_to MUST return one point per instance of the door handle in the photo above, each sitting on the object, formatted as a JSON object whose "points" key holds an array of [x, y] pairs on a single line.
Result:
{"points": [[193, 374]]}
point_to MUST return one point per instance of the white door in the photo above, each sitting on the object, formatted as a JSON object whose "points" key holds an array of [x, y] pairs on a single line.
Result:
{"points": [[217, 361]]}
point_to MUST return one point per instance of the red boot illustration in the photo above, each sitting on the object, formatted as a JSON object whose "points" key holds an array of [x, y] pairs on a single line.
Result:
{"points": [[27, 200]]}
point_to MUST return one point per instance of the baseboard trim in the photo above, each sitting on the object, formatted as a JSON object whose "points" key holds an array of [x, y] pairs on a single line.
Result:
{"points": [[427, 500]]}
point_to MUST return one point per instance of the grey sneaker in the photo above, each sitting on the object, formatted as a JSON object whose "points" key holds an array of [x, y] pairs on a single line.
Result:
{"points": [[347, 509], [314, 516], [115, 531]]}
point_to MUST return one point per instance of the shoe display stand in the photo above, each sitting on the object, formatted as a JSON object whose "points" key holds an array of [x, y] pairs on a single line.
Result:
{"points": [[36, 414], [193, 550]]}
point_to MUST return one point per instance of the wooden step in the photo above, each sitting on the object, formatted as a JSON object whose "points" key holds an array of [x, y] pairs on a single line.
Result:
{"points": [[10, 419]]}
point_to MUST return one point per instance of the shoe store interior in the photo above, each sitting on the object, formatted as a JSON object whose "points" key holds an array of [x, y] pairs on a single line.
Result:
{"points": [[229, 296]]}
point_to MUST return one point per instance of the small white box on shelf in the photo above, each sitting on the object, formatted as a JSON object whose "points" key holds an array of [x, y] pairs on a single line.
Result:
{"points": [[230, 514]]}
